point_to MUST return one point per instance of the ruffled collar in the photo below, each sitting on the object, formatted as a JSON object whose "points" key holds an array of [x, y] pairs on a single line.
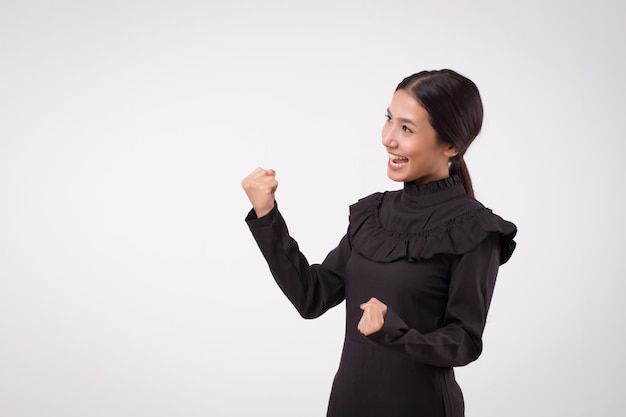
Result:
{"points": [[431, 193], [424, 220]]}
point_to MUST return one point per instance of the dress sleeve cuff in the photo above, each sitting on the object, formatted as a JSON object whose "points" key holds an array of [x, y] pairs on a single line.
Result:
{"points": [[267, 220], [393, 328]]}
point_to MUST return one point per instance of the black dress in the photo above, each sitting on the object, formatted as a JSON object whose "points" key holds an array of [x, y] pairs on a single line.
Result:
{"points": [[431, 254]]}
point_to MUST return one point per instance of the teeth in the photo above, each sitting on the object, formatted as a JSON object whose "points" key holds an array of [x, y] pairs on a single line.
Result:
{"points": [[397, 157], [397, 160]]}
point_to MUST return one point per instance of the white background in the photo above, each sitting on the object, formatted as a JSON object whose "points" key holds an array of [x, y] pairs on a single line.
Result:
{"points": [[129, 282]]}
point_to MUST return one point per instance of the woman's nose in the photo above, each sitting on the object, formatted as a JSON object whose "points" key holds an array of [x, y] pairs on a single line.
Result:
{"points": [[388, 136]]}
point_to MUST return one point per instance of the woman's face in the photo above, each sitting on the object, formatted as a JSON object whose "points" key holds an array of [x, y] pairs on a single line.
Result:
{"points": [[415, 154]]}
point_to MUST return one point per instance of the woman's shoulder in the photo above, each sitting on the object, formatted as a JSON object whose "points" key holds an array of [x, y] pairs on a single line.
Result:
{"points": [[370, 199]]}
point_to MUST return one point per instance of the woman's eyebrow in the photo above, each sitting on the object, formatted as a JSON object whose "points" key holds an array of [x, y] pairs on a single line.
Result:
{"points": [[402, 119]]}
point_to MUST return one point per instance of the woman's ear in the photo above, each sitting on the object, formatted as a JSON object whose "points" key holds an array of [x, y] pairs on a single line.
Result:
{"points": [[451, 151]]}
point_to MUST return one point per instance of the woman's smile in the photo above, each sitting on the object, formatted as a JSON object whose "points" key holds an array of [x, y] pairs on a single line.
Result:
{"points": [[397, 162]]}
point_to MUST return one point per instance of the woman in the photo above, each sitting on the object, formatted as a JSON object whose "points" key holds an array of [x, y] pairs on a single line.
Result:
{"points": [[417, 266]]}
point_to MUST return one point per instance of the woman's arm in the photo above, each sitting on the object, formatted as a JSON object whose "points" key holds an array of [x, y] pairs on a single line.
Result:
{"points": [[312, 289], [459, 341]]}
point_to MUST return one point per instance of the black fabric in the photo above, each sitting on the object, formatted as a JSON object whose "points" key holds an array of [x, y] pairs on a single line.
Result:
{"points": [[424, 220], [431, 254]]}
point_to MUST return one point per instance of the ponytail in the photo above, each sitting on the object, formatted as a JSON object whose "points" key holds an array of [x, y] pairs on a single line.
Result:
{"points": [[459, 168]]}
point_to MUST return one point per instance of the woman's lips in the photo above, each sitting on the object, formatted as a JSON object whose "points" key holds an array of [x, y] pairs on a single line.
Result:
{"points": [[397, 161]]}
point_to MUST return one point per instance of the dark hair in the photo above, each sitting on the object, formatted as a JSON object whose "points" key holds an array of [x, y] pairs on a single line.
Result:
{"points": [[455, 112]]}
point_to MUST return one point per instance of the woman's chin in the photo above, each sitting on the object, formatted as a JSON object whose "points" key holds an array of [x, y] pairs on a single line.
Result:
{"points": [[395, 176]]}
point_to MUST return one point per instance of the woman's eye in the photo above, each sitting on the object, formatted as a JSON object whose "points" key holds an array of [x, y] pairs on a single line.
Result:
{"points": [[388, 117], [406, 129]]}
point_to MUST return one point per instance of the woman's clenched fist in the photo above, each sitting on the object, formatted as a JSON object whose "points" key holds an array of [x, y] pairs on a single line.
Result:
{"points": [[373, 316], [260, 187]]}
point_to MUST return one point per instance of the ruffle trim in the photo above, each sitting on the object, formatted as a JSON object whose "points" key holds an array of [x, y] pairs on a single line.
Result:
{"points": [[458, 236]]}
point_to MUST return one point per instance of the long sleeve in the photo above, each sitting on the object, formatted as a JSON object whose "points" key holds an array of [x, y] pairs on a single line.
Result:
{"points": [[312, 289], [458, 342]]}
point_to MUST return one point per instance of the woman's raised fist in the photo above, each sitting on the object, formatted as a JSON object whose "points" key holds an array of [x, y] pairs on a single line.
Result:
{"points": [[260, 187]]}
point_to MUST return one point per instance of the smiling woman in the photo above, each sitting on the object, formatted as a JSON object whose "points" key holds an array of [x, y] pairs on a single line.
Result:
{"points": [[417, 267]]}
